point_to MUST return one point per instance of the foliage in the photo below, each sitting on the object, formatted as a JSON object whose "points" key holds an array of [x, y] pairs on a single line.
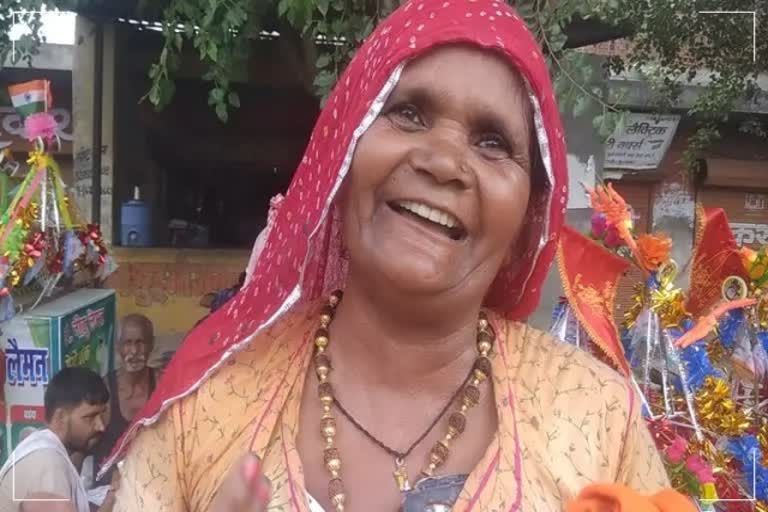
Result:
{"points": [[687, 42], [10, 13], [671, 44]]}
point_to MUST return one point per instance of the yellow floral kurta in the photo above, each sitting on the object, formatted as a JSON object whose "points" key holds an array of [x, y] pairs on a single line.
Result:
{"points": [[565, 421]]}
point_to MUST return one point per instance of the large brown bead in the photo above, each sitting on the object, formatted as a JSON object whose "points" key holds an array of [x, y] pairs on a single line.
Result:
{"points": [[322, 365], [457, 422], [335, 488], [336, 298], [325, 392], [482, 368], [332, 459], [471, 396], [439, 454]]}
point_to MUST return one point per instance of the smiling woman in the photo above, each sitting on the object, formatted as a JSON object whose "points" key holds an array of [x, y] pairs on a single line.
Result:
{"points": [[440, 182], [432, 193]]}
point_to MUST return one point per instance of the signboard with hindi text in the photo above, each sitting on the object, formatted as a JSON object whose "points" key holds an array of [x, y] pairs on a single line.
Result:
{"points": [[640, 142], [76, 329]]}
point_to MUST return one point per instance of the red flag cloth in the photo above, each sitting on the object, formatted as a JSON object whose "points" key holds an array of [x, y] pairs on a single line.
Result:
{"points": [[590, 274], [715, 257]]}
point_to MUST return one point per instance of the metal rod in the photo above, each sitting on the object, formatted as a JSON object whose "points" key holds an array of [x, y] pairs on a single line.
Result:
{"points": [[98, 93]]}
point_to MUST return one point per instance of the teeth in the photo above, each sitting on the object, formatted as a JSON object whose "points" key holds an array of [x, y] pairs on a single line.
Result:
{"points": [[432, 214]]}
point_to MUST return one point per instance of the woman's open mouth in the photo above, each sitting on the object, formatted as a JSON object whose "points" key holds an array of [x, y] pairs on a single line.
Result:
{"points": [[431, 218]]}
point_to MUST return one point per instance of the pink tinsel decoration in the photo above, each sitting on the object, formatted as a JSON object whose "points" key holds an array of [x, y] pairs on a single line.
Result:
{"points": [[41, 125]]}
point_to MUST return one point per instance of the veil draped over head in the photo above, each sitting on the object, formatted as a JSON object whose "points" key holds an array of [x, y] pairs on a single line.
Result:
{"points": [[302, 258]]}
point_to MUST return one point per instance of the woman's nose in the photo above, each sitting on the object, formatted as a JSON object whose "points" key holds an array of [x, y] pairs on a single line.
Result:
{"points": [[443, 158]]}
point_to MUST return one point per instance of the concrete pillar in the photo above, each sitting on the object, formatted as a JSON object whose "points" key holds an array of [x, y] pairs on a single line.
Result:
{"points": [[82, 113]]}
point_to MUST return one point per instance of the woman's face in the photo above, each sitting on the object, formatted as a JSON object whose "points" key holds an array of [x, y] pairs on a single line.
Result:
{"points": [[440, 182]]}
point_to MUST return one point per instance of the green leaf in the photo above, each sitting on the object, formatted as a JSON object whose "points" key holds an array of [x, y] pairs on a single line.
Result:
{"points": [[154, 95], [582, 105], [324, 79], [323, 60], [322, 6], [221, 112], [217, 94], [166, 90], [234, 99], [178, 41], [282, 7], [213, 52], [597, 121]]}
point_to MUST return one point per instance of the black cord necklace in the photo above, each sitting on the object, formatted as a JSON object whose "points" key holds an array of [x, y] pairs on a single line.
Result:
{"points": [[400, 456]]}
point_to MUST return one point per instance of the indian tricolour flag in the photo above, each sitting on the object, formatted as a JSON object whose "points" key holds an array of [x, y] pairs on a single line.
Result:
{"points": [[31, 97]]}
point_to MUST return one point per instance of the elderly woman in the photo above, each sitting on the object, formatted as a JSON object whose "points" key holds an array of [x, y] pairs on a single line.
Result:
{"points": [[432, 193]]}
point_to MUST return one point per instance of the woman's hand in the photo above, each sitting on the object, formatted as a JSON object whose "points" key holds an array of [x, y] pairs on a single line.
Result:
{"points": [[245, 488]]}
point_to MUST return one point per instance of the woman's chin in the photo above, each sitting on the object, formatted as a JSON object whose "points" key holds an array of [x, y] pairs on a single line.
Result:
{"points": [[418, 276]]}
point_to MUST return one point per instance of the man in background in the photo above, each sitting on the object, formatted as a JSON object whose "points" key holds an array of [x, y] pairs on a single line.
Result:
{"points": [[41, 466], [130, 385]]}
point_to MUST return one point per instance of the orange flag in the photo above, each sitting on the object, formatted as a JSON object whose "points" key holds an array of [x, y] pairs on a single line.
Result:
{"points": [[590, 274]]}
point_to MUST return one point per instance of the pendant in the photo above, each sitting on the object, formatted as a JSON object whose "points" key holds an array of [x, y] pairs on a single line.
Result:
{"points": [[401, 475]]}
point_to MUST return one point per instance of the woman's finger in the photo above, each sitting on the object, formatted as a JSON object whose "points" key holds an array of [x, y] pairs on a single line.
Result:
{"points": [[244, 489]]}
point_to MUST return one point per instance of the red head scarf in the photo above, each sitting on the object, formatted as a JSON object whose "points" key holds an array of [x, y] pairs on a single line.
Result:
{"points": [[302, 257]]}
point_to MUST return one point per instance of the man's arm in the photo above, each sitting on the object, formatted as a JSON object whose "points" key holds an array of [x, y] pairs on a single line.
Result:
{"points": [[43, 474]]}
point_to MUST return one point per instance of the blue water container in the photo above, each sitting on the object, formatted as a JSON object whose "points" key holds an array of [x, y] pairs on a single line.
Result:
{"points": [[135, 223]]}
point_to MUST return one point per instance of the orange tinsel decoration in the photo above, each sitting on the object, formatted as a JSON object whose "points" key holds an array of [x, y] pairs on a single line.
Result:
{"points": [[653, 250]]}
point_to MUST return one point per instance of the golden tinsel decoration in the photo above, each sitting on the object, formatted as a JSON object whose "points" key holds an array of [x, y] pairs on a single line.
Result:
{"points": [[638, 303], [761, 309], [718, 354], [762, 438], [669, 304], [718, 459], [717, 411]]}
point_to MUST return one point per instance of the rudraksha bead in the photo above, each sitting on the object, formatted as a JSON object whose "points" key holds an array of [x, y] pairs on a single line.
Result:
{"points": [[457, 422]]}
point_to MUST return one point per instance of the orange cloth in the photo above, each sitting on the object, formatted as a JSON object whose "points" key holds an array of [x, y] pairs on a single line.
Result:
{"points": [[565, 421], [620, 498]]}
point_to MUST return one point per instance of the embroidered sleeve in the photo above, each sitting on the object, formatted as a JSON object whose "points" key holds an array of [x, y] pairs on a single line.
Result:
{"points": [[150, 477], [641, 466]]}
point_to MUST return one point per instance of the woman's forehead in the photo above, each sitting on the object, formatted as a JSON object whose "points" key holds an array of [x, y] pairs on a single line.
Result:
{"points": [[480, 77], [460, 64]]}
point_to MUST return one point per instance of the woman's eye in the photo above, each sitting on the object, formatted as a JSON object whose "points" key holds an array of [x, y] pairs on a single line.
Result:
{"points": [[494, 144], [407, 115]]}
